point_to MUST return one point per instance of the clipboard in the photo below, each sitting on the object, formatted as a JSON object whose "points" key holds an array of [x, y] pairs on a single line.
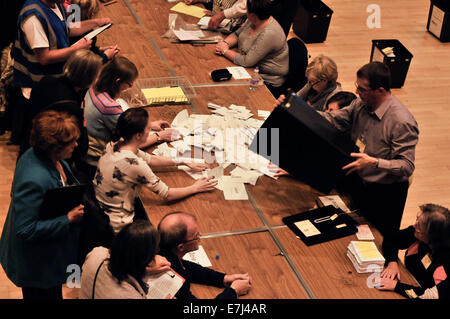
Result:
{"points": [[59, 201], [318, 225]]}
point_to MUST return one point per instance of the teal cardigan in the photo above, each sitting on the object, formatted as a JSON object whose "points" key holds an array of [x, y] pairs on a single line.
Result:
{"points": [[33, 252]]}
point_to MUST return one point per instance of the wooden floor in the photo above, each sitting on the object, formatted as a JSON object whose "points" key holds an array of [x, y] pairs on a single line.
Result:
{"points": [[426, 93]]}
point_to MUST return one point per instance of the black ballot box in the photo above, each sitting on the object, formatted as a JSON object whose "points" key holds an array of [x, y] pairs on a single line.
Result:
{"points": [[312, 21], [398, 61], [439, 19], [310, 148]]}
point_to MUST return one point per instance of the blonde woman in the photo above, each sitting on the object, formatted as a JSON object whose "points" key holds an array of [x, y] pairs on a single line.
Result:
{"points": [[322, 82]]}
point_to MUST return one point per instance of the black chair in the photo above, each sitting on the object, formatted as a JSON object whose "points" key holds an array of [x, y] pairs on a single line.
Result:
{"points": [[298, 61], [95, 228]]}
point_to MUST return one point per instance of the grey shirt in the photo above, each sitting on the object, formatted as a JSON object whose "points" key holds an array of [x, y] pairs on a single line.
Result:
{"points": [[266, 49], [390, 134]]}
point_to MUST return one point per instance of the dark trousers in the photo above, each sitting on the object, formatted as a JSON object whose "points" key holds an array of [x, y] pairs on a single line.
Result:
{"points": [[381, 204], [54, 293], [15, 114]]}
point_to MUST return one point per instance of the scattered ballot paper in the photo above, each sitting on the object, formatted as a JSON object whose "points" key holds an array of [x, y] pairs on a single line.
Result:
{"points": [[364, 233], [198, 256], [238, 72]]}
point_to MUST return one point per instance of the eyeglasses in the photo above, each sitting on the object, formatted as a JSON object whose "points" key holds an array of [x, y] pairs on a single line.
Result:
{"points": [[196, 238], [311, 83], [361, 89]]}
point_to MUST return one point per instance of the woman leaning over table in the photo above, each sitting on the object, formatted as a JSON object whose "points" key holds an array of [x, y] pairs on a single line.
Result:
{"points": [[427, 256], [120, 272], [35, 253], [260, 42], [103, 107], [124, 169]]}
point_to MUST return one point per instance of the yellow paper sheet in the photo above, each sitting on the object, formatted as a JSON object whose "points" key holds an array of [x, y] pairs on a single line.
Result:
{"points": [[368, 250], [194, 11], [166, 94]]}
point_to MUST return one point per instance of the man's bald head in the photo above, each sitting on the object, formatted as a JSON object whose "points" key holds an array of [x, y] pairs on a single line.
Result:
{"points": [[174, 228]]}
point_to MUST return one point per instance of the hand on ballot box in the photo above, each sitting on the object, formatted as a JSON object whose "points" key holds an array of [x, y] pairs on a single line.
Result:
{"points": [[363, 161], [277, 170], [158, 265]]}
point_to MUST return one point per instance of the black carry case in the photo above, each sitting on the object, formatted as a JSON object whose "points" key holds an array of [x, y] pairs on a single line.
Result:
{"points": [[310, 148]]}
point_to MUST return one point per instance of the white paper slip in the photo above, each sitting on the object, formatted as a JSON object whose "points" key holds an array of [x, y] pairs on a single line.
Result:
{"points": [[307, 228], [234, 188], [364, 233], [205, 21], [334, 200], [180, 118], [238, 72], [184, 35], [198, 256], [164, 286], [264, 114]]}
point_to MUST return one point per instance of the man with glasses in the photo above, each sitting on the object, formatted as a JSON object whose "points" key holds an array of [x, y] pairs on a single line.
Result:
{"points": [[179, 234], [386, 134]]}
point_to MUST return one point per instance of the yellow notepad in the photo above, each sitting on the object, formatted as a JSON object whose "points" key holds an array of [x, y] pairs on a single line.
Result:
{"points": [[167, 94], [194, 11], [368, 250]]}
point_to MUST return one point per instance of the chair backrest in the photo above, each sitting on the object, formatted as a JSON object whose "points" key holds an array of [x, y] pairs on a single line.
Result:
{"points": [[298, 61], [95, 227]]}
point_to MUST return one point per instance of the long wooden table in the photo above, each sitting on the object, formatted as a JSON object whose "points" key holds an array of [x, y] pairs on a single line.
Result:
{"points": [[246, 236]]}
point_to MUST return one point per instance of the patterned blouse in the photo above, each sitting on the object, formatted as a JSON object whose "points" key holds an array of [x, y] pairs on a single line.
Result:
{"points": [[118, 180]]}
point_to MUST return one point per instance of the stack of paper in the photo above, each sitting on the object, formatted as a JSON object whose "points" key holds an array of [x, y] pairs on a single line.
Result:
{"points": [[365, 256], [165, 95], [194, 11]]}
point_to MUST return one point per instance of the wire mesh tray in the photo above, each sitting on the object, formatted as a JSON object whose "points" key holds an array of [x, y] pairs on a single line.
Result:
{"points": [[162, 91]]}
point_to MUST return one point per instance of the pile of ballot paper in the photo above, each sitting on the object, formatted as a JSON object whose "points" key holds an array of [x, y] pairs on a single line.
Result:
{"points": [[365, 256], [227, 132]]}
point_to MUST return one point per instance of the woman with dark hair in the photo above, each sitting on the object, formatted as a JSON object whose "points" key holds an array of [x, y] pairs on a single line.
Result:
{"points": [[260, 42], [35, 253], [118, 273], [103, 108], [124, 169], [427, 256]]}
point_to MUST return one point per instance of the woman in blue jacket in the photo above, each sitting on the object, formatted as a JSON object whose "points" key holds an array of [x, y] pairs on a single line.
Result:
{"points": [[35, 253]]}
